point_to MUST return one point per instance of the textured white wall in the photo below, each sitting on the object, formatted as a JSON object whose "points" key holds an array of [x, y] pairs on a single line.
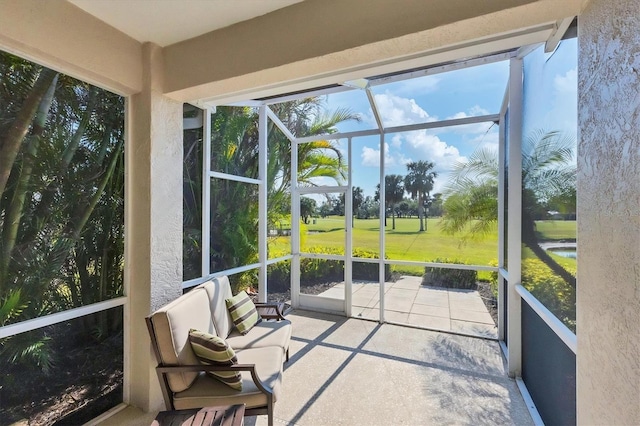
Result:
{"points": [[154, 222], [608, 320]]}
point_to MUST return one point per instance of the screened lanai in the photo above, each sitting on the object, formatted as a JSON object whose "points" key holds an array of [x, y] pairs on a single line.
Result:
{"points": [[327, 218], [471, 252]]}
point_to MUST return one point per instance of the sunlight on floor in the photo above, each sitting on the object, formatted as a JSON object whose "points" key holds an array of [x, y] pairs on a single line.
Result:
{"points": [[354, 372]]}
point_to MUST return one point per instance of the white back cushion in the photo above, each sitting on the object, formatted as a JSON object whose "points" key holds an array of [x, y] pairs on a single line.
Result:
{"points": [[171, 325], [218, 290]]}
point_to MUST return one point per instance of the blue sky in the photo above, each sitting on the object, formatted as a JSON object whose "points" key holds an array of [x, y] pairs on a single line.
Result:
{"points": [[550, 103]]}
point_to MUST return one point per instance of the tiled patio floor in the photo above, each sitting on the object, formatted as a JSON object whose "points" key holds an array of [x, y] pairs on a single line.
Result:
{"points": [[409, 302], [345, 371]]}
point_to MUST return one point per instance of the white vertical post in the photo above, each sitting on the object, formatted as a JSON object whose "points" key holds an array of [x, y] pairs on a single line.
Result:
{"points": [[262, 204], [514, 219], [295, 228], [206, 192], [382, 228], [501, 219], [348, 266]]}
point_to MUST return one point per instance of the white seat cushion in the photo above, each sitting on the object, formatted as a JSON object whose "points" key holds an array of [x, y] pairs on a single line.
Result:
{"points": [[207, 391], [267, 333]]}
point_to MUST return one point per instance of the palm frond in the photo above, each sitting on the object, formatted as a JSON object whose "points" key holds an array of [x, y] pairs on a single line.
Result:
{"points": [[11, 307]]}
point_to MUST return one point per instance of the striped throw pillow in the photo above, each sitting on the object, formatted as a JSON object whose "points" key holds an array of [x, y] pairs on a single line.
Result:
{"points": [[213, 350], [243, 312]]}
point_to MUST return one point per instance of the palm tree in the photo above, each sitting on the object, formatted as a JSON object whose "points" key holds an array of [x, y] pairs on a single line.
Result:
{"points": [[61, 202], [472, 196], [235, 151], [471, 206], [393, 193], [418, 183], [322, 158]]}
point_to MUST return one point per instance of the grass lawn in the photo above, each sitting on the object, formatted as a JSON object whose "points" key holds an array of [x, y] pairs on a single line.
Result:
{"points": [[556, 229], [403, 243], [407, 243]]}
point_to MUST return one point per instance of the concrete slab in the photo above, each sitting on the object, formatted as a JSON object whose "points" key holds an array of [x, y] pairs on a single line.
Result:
{"points": [[432, 297], [462, 295], [353, 372], [334, 293], [434, 311], [470, 305], [471, 316], [369, 313], [401, 317], [407, 301], [362, 373], [478, 329], [407, 283], [364, 300], [130, 416], [431, 322], [399, 300]]}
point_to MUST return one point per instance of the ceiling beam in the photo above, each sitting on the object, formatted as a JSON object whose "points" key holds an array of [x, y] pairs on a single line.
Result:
{"points": [[324, 42]]}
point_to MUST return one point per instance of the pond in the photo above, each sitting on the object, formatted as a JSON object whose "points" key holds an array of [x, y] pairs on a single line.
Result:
{"points": [[569, 252]]}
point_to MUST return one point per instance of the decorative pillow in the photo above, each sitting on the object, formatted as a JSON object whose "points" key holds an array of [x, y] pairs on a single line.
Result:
{"points": [[213, 350], [243, 312]]}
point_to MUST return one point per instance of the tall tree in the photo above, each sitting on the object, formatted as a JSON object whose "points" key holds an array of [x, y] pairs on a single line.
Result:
{"points": [[357, 200], [418, 183], [62, 205], [307, 208], [15, 133], [393, 194], [235, 151], [436, 205]]}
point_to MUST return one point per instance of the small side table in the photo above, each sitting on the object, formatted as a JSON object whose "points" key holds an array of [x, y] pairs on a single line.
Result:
{"points": [[271, 311], [229, 415]]}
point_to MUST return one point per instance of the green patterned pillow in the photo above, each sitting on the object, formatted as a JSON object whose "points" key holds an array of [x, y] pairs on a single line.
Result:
{"points": [[243, 312], [213, 350]]}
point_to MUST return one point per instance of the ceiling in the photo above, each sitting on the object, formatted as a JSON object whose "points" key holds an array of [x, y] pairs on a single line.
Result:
{"points": [[166, 22]]}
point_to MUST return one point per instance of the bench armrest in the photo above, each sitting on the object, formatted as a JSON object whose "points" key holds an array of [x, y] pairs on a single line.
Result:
{"points": [[163, 370]]}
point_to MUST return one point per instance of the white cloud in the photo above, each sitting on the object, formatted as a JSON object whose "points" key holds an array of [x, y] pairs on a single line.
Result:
{"points": [[417, 145], [371, 157], [474, 111], [424, 146], [567, 83], [429, 145], [398, 111], [563, 114], [416, 86]]}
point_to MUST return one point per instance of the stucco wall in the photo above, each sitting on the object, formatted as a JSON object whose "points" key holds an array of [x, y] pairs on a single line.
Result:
{"points": [[153, 247], [608, 319]]}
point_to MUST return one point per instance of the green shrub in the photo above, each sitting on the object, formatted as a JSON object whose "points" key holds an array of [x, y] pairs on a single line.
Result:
{"points": [[368, 271], [279, 276], [551, 290], [322, 270], [450, 278], [493, 278]]}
